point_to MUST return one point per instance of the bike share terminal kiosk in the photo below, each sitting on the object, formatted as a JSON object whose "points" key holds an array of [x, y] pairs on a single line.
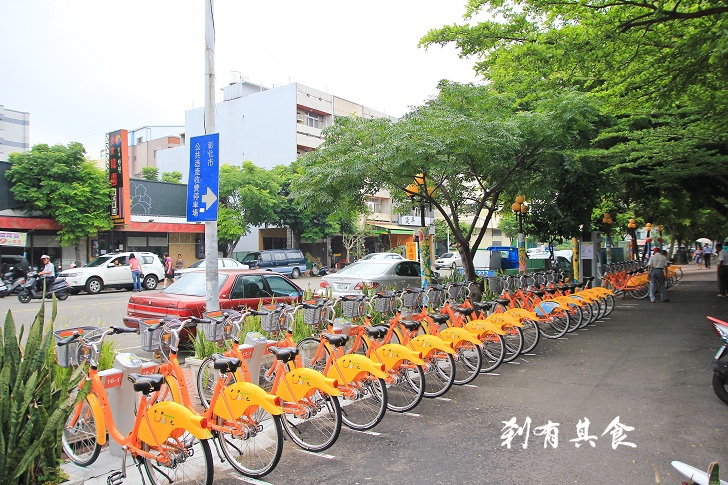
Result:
{"points": [[589, 249]]}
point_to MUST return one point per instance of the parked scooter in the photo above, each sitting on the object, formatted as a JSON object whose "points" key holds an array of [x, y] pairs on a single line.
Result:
{"points": [[720, 363], [13, 280], [59, 287], [3, 289]]}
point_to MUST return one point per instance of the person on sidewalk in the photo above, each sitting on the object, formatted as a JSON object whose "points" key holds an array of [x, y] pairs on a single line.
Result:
{"points": [[722, 258], [707, 252], [698, 255], [136, 272], [656, 268]]}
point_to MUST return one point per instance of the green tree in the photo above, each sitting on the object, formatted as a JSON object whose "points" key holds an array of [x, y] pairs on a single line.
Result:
{"points": [[172, 177], [466, 147], [248, 197], [59, 182], [150, 173]]}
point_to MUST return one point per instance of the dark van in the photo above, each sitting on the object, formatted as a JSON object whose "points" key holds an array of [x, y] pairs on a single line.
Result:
{"points": [[285, 261]]}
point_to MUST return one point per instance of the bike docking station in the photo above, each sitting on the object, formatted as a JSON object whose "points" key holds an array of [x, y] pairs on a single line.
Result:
{"points": [[122, 397], [253, 349]]}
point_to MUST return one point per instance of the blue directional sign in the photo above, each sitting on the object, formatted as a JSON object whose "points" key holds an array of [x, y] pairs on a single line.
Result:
{"points": [[202, 188]]}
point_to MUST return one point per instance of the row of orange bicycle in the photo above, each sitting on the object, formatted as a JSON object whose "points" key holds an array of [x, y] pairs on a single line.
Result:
{"points": [[366, 356]]}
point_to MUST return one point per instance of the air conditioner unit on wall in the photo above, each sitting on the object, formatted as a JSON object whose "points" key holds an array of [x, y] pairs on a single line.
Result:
{"points": [[299, 117], [370, 205]]}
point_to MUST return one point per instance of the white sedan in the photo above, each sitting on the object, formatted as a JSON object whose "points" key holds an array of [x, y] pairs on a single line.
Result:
{"points": [[375, 275], [227, 263]]}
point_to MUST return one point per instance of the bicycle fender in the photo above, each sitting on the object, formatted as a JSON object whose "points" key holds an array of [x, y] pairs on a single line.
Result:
{"points": [[429, 343], [302, 382], [392, 354], [457, 335], [349, 366], [166, 417], [546, 307], [504, 319], [601, 290], [242, 395], [93, 401], [521, 313], [481, 327], [571, 300]]}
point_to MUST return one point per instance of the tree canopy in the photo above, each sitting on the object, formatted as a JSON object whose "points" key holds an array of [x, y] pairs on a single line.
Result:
{"points": [[467, 147], [59, 182]]}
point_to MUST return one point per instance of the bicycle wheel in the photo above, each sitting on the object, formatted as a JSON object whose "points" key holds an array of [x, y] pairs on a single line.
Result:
{"points": [[492, 350], [587, 315], [266, 376], [513, 340], [79, 435], [531, 335], [555, 324], [364, 403], [468, 361], [640, 293], [609, 304], [316, 423], [405, 387], [207, 377], [188, 463], [439, 373], [255, 448], [576, 316], [307, 349]]}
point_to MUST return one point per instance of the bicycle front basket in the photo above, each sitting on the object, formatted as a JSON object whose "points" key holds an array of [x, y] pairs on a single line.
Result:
{"points": [[436, 298], [151, 340], [67, 355], [273, 320], [352, 308], [385, 304], [412, 299]]}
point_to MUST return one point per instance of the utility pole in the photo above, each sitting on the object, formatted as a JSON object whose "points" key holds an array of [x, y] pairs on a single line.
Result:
{"points": [[212, 296]]}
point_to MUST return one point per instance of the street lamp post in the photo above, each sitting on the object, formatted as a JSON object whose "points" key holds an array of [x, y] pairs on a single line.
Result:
{"points": [[608, 223], [419, 190], [520, 209], [632, 229]]}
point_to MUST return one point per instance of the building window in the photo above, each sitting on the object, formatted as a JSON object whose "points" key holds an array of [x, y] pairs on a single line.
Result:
{"points": [[497, 242], [497, 233], [314, 120]]}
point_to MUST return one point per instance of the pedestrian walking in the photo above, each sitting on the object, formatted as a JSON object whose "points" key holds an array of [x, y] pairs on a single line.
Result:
{"points": [[136, 272], [707, 252], [722, 258], [698, 255], [656, 267], [179, 264], [168, 270]]}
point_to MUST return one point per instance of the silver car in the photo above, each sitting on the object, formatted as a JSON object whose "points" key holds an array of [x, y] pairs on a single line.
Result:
{"points": [[375, 274], [226, 263]]}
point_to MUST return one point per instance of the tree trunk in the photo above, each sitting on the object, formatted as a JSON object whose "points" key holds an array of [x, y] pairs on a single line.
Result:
{"points": [[77, 250]]}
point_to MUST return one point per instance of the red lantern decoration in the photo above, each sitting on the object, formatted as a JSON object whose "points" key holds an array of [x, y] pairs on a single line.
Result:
{"points": [[648, 240]]}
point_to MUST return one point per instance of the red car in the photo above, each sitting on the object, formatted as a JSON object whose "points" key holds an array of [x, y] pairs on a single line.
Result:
{"points": [[238, 289]]}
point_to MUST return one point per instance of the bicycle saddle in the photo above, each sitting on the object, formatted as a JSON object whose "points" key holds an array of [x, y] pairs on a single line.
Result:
{"points": [[410, 325], [539, 293], [465, 311], [438, 317], [483, 305], [146, 384], [284, 354], [225, 364], [503, 301], [551, 291], [378, 331], [336, 340]]}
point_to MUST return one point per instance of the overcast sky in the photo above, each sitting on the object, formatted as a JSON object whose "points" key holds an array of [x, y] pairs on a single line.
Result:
{"points": [[84, 68]]}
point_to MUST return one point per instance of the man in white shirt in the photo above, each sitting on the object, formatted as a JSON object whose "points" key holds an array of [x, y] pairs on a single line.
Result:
{"points": [[656, 267], [47, 274]]}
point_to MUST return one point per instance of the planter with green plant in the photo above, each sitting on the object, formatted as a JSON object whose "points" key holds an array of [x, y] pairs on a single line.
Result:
{"points": [[34, 404], [203, 348]]}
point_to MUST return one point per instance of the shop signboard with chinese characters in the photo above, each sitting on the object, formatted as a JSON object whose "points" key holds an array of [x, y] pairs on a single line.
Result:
{"points": [[117, 149], [202, 188], [16, 239]]}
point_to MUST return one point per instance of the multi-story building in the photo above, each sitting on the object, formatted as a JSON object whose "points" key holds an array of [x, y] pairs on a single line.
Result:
{"points": [[146, 142], [268, 126], [14, 132]]}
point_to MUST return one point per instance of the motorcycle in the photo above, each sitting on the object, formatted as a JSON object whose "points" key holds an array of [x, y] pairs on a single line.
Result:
{"points": [[4, 290], [13, 280], [59, 287], [720, 362]]}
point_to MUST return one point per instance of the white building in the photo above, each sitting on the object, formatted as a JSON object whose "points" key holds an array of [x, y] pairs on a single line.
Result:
{"points": [[14, 132], [267, 126]]}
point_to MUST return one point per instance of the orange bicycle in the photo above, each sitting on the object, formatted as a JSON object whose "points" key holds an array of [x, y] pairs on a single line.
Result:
{"points": [[167, 440], [245, 419]]}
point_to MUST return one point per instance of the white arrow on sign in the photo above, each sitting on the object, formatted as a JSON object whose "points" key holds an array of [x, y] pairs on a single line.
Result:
{"points": [[209, 198]]}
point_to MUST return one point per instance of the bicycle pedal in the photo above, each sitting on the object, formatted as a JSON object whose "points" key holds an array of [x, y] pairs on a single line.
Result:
{"points": [[115, 478]]}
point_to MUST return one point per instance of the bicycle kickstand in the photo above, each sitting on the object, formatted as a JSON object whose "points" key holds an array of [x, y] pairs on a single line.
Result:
{"points": [[116, 478]]}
